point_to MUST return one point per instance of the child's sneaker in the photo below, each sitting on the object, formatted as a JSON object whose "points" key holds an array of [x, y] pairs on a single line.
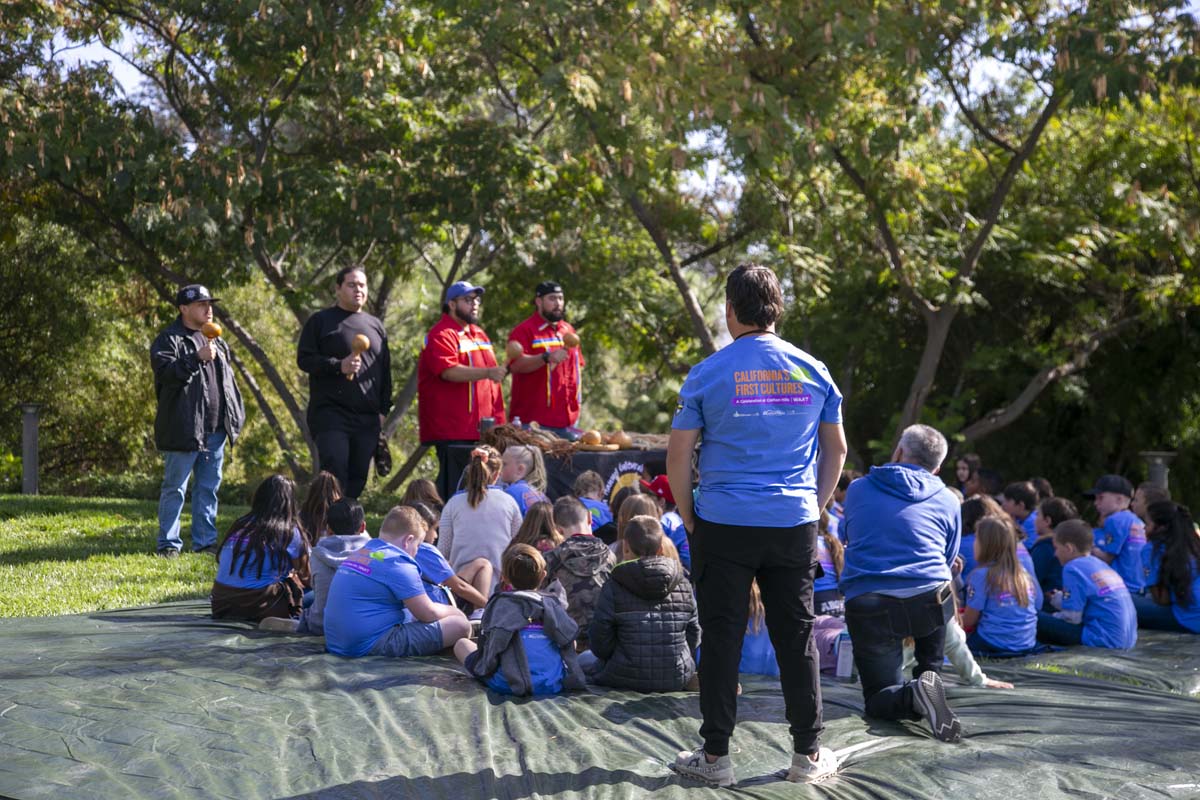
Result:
{"points": [[929, 697], [279, 624], [805, 770], [695, 764]]}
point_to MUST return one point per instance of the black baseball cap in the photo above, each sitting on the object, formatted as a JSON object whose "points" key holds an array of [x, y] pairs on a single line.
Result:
{"points": [[193, 293], [1111, 483], [547, 287]]}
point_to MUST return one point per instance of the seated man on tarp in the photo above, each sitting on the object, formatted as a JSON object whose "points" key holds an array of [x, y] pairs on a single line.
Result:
{"points": [[377, 602]]}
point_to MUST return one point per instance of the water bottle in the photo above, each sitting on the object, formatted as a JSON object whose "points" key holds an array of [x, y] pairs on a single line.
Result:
{"points": [[516, 422], [845, 657]]}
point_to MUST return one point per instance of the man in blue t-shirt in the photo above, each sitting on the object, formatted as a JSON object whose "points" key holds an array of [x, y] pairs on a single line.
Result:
{"points": [[903, 528], [1122, 535], [377, 602], [773, 447]]}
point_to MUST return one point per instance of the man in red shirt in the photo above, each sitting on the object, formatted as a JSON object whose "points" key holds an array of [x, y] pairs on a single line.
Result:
{"points": [[458, 380], [546, 379]]}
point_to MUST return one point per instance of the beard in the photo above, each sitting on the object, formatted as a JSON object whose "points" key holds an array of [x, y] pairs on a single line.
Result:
{"points": [[469, 317], [553, 316]]}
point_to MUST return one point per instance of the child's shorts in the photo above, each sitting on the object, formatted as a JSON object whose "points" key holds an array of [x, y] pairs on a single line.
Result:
{"points": [[410, 639]]}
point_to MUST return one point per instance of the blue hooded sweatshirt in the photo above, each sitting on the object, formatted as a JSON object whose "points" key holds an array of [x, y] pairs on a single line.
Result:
{"points": [[902, 531]]}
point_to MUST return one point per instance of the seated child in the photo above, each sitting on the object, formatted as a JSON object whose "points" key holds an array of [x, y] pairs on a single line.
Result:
{"points": [[441, 584], [523, 473], [636, 506], [323, 491], [581, 564], [827, 599], [377, 602], [526, 639], [1121, 535], [479, 522], [645, 628], [345, 532], [1051, 512], [589, 488], [1144, 496], [538, 529], [672, 523], [1172, 569], [1097, 610], [1002, 597], [974, 509], [1020, 501], [423, 490], [262, 564]]}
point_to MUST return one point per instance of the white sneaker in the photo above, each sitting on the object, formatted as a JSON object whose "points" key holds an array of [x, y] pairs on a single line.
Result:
{"points": [[695, 764], [279, 624], [805, 770]]}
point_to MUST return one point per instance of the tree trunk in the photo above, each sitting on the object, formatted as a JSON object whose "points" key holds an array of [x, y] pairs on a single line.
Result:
{"points": [[400, 406], [937, 330], [298, 472], [414, 458]]}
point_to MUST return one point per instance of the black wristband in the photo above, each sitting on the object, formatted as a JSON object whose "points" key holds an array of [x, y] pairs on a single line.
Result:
{"points": [[546, 357]]}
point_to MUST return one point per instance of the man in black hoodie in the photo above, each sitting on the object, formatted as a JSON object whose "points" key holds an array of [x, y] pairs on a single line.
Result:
{"points": [[199, 410], [349, 391]]}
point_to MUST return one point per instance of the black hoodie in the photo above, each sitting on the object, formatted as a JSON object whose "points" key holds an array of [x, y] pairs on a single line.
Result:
{"points": [[645, 628]]}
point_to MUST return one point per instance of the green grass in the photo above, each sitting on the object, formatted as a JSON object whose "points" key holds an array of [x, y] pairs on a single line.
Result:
{"points": [[71, 555]]}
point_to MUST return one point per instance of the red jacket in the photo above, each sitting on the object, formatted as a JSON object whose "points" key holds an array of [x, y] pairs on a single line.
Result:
{"points": [[549, 395], [445, 409]]}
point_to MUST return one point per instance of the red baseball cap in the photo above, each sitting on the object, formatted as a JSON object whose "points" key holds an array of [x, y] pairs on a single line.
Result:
{"points": [[660, 487]]}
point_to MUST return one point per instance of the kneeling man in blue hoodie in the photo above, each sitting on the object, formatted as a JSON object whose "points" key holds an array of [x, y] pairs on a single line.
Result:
{"points": [[903, 528]]}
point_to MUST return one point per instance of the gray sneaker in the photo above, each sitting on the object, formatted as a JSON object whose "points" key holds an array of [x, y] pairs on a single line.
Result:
{"points": [[805, 770], [695, 764], [929, 697], [168, 552]]}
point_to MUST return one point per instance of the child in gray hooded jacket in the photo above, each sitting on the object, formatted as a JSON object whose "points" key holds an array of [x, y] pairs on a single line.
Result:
{"points": [[526, 640]]}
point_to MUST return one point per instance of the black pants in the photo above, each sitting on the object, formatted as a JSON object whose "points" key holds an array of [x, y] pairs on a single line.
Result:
{"points": [[725, 560], [346, 451], [878, 626], [442, 450]]}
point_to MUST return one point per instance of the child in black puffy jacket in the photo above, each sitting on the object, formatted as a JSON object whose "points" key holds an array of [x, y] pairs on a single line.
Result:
{"points": [[645, 629]]}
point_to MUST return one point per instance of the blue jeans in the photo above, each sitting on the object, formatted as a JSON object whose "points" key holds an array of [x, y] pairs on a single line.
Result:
{"points": [[179, 467], [1052, 630], [1155, 617]]}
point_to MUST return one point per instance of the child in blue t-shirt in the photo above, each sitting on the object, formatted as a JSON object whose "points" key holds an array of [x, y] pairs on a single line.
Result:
{"points": [[1121, 536], [1002, 597], [523, 473], [1019, 501], [377, 601], [1172, 570], [441, 584], [1051, 512], [589, 488], [974, 509], [670, 520], [527, 640], [262, 564], [1097, 609]]}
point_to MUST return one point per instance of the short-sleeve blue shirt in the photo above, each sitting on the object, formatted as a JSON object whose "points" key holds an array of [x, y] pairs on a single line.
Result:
{"points": [[1124, 535], [1187, 616], [758, 403], [599, 511], [1109, 619], [435, 570], [525, 495], [275, 569], [366, 597], [1003, 622]]}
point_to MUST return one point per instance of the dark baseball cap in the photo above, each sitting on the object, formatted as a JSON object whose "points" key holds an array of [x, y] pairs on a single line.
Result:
{"points": [[460, 288], [547, 287], [193, 293], [1111, 483]]}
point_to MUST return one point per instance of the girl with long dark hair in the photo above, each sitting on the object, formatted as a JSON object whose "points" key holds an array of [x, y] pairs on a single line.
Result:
{"points": [[1171, 560], [262, 564]]}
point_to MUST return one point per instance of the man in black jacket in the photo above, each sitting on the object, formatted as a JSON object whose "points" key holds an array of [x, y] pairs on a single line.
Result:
{"points": [[199, 410], [349, 392]]}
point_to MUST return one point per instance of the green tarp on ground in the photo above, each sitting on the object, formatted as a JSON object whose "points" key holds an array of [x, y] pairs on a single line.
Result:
{"points": [[163, 702]]}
